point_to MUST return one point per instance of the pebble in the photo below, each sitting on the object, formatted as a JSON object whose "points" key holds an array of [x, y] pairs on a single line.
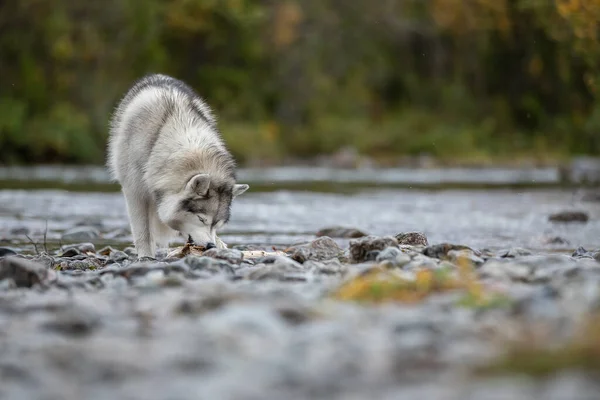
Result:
{"points": [[412, 239], [397, 257], [8, 251], [323, 248], [217, 326], [367, 248], [23, 272], [569, 216], [341, 232], [81, 233]]}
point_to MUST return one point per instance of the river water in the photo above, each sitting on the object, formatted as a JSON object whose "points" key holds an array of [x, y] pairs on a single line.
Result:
{"points": [[483, 218]]}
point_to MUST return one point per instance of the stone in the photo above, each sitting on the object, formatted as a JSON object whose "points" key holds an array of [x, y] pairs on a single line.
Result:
{"points": [[19, 231], [555, 240], [281, 269], [328, 267], [7, 251], [394, 255], [569, 216], [23, 272], [440, 251], [583, 253], [84, 248], [208, 264], [360, 248], [323, 248], [341, 232], [118, 256], [456, 256], [412, 239], [73, 321], [232, 256], [70, 252], [514, 252], [81, 233], [130, 251]]}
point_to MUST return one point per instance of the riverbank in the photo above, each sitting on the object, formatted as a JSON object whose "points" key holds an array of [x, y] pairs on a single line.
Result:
{"points": [[390, 317]]}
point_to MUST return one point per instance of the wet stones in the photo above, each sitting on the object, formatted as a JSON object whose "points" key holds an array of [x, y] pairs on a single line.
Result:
{"points": [[394, 255], [569, 217], [209, 265], [7, 251], [341, 232], [232, 256], [24, 273], [79, 233], [412, 239], [440, 251], [73, 321], [283, 269], [583, 253], [368, 248], [323, 248], [458, 256]]}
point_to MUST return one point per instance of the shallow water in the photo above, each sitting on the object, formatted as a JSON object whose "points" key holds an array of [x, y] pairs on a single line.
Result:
{"points": [[478, 218]]}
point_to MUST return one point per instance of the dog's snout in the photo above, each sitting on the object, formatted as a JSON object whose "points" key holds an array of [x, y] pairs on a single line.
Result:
{"points": [[210, 245]]}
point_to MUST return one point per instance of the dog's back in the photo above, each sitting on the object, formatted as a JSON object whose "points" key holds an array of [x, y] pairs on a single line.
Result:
{"points": [[158, 116]]}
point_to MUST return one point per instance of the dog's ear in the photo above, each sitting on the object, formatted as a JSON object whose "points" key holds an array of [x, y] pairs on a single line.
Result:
{"points": [[239, 189], [199, 184]]}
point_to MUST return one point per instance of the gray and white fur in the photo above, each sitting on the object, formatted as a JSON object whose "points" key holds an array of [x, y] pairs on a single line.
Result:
{"points": [[174, 169]]}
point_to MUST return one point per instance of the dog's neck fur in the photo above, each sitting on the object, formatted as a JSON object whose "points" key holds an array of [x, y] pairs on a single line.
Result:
{"points": [[187, 163]]}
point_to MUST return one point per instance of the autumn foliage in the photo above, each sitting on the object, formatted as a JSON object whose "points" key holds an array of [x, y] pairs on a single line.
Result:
{"points": [[453, 78]]}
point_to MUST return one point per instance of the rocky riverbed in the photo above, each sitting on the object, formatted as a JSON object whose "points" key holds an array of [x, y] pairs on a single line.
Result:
{"points": [[349, 312], [386, 317]]}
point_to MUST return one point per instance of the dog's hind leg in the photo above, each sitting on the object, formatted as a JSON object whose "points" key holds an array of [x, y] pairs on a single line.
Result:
{"points": [[138, 208]]}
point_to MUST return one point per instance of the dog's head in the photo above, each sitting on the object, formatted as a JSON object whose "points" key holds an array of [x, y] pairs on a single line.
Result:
{"points": [[200, 209]]}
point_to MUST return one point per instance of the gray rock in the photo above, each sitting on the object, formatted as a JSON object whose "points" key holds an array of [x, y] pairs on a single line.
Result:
{"points": [[360, 248], [583, 253], [70, 252], [323, 248], [81, 233], [456, 255], [73, 321], [555, 240], [208, 264], [394, 255], [421, 261], [130, 251], [232, 256], [536, 268], [81, 247], [440, 251], [341, 232], [46, 260], [23, 272], [118, 256], [514, 252], [569, 216], [412, 239], [282, 269], [328, 267], [8, 251], [117, 233], [20, 230]]}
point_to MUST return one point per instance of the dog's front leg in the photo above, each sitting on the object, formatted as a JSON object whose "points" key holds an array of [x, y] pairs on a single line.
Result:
{"points": [[138, 209]]}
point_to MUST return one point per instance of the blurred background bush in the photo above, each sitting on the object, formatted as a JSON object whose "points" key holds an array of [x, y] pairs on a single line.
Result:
{"points": [[470, 80]]}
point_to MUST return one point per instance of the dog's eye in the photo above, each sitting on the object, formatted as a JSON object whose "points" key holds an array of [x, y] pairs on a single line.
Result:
{"points": [[201, 219]]}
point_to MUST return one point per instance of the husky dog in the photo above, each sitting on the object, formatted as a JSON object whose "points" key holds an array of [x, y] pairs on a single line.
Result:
{"points": [[175, 172]]}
